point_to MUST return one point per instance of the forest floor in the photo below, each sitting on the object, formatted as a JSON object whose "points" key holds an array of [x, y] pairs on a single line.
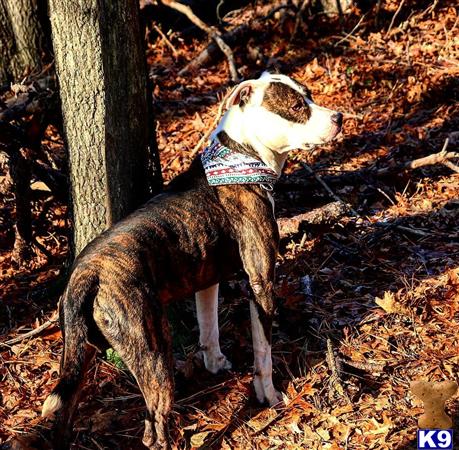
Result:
{"points": [[381, 288]]}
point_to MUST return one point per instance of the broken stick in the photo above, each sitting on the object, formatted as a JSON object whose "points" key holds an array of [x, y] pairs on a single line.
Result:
{"points": [[325, 215], [334, 365], [442, 157], [51, 321]]}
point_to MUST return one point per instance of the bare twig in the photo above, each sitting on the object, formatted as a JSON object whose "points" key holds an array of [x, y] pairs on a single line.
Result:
{"points": [[327, 188], [363, 174], [51, 321], [211, 31], [212, 49], [166, 40], [441, 157], [299, 17], [415, 231], [395, 16], [435, 158], [348, 35], [451, 166], [206, 135]]}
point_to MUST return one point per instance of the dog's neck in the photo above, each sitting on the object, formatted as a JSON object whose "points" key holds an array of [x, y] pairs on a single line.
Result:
{"points": [[227, 141], [234, 133]]}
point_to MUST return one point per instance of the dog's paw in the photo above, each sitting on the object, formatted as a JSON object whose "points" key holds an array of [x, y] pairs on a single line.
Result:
{"points": [[266, 394], [152, 440], [216, 363], [277, 400]]}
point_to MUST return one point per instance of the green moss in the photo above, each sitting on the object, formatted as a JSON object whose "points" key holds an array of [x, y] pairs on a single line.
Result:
{"points": [[115, 359]]}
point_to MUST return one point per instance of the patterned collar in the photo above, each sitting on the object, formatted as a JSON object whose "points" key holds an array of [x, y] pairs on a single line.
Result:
{"points": [[224, 166]]}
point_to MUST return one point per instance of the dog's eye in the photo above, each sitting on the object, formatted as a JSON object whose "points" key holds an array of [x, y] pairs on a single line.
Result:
{"points": [[297, 106]]}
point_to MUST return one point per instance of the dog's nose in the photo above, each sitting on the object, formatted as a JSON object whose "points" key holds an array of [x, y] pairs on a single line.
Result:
{"points": [[337, 118]]}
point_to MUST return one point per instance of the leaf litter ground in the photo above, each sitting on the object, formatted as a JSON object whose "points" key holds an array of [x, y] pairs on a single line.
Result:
{"points": [[381, 289]]}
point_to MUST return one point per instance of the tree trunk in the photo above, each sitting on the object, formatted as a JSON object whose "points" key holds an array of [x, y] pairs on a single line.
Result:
{"points": [[21, 38], [100, 64], [6, 43]]}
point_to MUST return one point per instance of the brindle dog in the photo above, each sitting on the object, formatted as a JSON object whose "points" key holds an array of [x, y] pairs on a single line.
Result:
{"points": [[185, 241]]}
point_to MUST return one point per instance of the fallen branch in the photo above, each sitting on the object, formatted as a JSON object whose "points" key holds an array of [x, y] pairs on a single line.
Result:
{"points": [[299, 18], [334, 365], [328, 189], [359, 176], [394, 17], [212, 49], [369, 367], [451, 166], [236, 35], [165, 39], [435, 158], [211, 31], [325, 215], [415, 231], [51, 321]]}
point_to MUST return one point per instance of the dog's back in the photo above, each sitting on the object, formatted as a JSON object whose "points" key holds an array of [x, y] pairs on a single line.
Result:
{"points": [[183, 231]]}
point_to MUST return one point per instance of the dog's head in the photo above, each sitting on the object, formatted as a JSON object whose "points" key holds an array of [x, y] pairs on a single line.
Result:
{"points": [[276, 114]]}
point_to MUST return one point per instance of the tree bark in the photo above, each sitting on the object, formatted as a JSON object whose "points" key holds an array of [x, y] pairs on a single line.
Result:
{"points": [[101, 69], [7, 43], [21, 37], [20, 174]]}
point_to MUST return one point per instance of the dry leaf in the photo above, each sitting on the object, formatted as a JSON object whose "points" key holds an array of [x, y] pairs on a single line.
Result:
{"points": [[198, 439]]}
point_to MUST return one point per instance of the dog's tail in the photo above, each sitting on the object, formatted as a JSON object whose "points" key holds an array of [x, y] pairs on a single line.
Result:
{"points": [[74, 311]]}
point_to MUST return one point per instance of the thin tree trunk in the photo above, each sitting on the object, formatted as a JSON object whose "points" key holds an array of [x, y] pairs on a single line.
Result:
{"points": [[21, 38], [20, 174], [6, 43], [100, 64]]}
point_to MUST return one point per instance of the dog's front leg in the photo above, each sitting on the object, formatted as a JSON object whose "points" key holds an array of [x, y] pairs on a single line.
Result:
{"points": [[207, 312], [261, 313], [259, 262]]}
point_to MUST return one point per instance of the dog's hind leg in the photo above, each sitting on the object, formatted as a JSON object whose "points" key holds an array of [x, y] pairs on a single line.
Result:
{"points": [[207, 312], [136, 326]]}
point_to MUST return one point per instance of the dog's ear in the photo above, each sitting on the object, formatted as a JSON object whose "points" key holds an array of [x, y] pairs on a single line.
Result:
{"points": [[241, 93]]}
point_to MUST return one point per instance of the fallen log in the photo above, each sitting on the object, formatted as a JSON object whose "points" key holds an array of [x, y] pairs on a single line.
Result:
{"points": [[326, 215]]}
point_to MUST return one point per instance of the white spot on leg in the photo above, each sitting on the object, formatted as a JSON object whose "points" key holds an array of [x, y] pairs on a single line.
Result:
{"points": [[52, 404], [262, 380], [207, 312]]}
